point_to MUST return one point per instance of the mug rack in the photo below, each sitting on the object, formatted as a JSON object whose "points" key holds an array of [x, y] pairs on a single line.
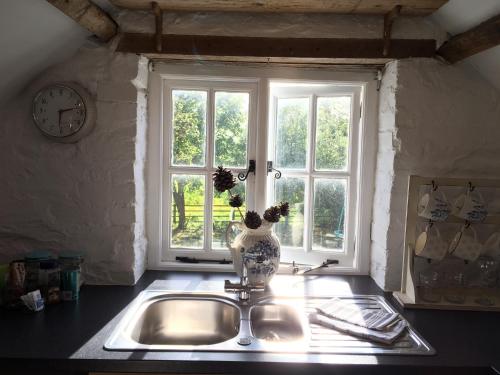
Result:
{"points": [[409, 296]]}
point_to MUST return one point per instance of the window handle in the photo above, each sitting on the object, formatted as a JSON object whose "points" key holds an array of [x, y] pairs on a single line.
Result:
{"points": [[242, 176], [270, 168]]}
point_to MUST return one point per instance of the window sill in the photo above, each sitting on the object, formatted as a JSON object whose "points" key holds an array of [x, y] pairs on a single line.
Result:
{"points": [[285, 269]]}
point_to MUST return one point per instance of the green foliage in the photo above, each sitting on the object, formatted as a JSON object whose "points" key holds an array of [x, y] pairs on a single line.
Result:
{"points": [[291, 137], [231, 119], [332, 133], [189, 127]]}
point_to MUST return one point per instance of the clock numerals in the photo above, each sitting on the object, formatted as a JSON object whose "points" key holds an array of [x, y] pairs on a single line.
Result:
{"points": [[59, 111]]}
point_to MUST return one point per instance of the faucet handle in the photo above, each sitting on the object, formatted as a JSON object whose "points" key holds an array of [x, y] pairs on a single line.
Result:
{"points": [[231, 287], [258, 287]]}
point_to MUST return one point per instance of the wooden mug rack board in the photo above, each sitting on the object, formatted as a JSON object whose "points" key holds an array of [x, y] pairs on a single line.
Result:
{"points": [[408, 297]]}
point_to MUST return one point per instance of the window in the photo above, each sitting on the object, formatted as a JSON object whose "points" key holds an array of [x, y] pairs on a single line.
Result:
{"points": [[206, 123], [313, 143], [311, 129]]}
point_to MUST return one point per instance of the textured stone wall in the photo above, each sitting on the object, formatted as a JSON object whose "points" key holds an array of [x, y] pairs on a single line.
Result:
{"points": [[87, 196], [434, 120]]}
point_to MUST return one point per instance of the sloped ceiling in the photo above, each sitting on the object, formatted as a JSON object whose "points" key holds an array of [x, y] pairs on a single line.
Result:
{"points": [[34, 35], [458, 16]]}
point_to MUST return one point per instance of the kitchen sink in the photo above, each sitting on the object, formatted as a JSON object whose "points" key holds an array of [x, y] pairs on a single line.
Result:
{"points": [[186, 321], [276, 323], [219, 322]]}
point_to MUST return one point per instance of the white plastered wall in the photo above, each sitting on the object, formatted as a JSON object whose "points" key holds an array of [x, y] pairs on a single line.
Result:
{"points": [[87, 196], [90, 196], [434, 120]]}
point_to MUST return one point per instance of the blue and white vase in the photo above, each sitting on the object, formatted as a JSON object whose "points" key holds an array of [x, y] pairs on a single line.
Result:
{"points": [[258, 248]]}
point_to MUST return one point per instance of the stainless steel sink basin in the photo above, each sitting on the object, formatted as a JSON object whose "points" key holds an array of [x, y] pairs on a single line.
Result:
{"points": [[275, 323], [186, 321], [217, 322]]}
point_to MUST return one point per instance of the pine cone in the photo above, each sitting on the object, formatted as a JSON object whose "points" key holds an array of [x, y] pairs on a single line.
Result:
{"points": [[272, 214], [236, 201], [223, 179], [284, 208], [252, 220]]}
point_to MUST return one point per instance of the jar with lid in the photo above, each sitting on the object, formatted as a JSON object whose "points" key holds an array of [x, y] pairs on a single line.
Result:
{"points": [[33, 260], [71, 260]]}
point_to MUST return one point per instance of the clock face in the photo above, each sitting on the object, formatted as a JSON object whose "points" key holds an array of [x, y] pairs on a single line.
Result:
{"points": [[59, 111]]}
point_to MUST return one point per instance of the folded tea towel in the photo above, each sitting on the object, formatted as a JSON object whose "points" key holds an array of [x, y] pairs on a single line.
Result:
{"points": [[338, 309], [387, 336]]}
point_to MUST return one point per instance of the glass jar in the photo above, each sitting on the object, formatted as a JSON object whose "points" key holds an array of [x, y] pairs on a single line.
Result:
{"points": [[71, 260], [32, 264]]}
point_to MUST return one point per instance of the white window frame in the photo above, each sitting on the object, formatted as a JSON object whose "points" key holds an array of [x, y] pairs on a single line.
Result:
{"points": [[312, 92], [261, 78], [211, 86]]}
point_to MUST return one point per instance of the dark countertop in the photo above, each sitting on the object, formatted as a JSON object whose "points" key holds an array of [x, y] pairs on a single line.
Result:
{"points": [[68, 338]]}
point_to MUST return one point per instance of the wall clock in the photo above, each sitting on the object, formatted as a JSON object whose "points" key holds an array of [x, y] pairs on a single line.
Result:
{"points": [[64, 112]]}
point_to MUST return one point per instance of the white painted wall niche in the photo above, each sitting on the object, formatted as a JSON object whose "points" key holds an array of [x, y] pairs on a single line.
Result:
{"points": [[434, 120], [87, 196]]}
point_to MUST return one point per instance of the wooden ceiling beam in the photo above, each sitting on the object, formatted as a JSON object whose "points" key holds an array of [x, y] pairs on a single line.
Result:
{"points": [[478, 39], [380, 7], [158, 24], [201, 46], [88, 15], [388, 21]]}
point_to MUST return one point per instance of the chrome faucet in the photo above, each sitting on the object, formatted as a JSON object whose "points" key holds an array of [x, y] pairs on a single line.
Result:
{"points": [[244, 288]]}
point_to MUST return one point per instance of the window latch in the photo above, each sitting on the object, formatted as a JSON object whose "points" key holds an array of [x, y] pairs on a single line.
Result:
{"points": [[270, 168], [242, 176]]}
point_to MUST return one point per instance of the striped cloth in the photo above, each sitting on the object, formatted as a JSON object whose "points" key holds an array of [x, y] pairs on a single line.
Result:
{"points": [[387, 336], [376, 319]]}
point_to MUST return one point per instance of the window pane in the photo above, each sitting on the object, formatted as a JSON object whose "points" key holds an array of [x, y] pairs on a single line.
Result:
{"points": [[188, 211], [329, 213], [223, 213], [332, 127], [189, 123], [290, 229], [291, 133], [231, 128]]}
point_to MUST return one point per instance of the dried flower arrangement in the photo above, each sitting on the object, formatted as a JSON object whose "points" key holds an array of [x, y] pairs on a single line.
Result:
{"points": [[224, 181]]}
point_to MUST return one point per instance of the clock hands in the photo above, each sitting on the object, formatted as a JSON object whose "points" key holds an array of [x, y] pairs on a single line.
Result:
{"points": [[59, 122], [60, 112], [67, 109]]}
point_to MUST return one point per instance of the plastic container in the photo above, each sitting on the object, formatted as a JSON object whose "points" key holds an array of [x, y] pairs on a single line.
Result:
{"points": [[32, 263], [71, 260], [70, 284]]}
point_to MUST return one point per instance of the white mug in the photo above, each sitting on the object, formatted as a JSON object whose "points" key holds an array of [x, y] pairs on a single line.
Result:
{"points": [[465, 244], [434, 206], [492, 245], [470, 206], [430, 244]]}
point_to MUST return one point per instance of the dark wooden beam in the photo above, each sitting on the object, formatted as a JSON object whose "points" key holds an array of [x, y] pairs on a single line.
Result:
{"points": [[158, 24], [478, 39], [88, 15], [388, 21], [380, 7], [282, 48]]}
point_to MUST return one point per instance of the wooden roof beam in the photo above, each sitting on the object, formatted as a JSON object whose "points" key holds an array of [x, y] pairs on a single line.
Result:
{"points": [[298, 49], [478, 39], [88, 15], [158, 24], [380, 7], [388, 21]]}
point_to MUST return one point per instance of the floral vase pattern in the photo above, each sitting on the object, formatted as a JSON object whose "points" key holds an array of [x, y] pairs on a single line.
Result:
{"points": [[258, 248]]}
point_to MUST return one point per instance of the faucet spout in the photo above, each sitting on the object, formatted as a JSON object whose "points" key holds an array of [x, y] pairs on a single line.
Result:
{"points": [[244, 288]]}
